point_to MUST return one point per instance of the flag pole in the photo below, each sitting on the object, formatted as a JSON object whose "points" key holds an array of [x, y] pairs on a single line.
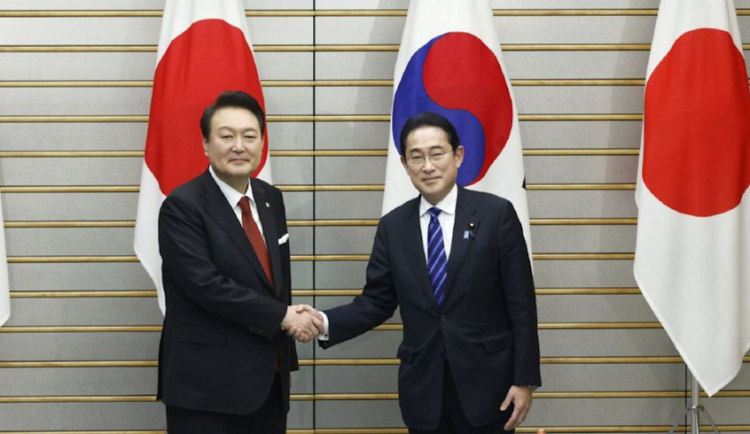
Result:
{"points": [[694, 410]]}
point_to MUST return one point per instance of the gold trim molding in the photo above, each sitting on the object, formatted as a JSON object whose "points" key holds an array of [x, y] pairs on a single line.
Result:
{"points": [[314, 118], [82, 364], [298, 293], [305, 258], [561, 82], [312, 223], [549, 429], [329, 13], [82, 294], [296, 188], [80, 329], [373, 396], [384, 327], [317, 48], [624, 360], [300, 13], [597, 152]]}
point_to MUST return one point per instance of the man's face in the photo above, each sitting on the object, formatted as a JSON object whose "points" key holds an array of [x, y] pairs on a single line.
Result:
{"points": [[430, 162], [235, 144]]}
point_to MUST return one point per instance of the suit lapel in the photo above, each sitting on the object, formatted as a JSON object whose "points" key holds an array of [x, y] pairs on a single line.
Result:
{"points": [[465, 210], [265, 213], [219, 209], [411, 234]]}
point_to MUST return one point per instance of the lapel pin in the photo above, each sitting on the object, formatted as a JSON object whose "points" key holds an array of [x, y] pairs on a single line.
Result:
{"points": [[472, 231], [268, 205], [466, 235]]}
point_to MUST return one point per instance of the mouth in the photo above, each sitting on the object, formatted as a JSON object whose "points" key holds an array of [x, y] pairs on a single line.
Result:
{"points": [[238, 161], [430, 180]]}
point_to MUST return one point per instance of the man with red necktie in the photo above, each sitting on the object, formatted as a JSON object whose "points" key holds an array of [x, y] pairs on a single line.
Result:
{"points": [[224, 358]]}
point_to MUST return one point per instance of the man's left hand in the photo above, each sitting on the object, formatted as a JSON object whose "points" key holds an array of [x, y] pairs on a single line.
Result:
{"points": [[520, 396]]}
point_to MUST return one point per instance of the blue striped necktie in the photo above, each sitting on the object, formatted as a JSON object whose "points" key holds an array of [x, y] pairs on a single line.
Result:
{"points": [[437, 262]]}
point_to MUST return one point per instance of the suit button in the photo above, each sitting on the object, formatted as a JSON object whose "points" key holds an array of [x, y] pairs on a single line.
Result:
{"points": [[443, 318]]}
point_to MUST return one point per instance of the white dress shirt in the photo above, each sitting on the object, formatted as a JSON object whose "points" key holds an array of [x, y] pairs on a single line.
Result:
{"points": [[447, 218], [233, 197]]}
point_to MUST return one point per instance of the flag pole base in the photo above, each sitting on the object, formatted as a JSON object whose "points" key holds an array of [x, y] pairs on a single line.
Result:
{"points": [[694, 410]]}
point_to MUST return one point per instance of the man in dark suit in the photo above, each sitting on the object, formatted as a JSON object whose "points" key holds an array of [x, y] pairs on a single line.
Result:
{"points": [[224, 360], [456, 263]]}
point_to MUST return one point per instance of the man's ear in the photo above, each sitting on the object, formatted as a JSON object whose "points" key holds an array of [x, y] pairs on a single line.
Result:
{"points": [[205, 147], [459, 155]]}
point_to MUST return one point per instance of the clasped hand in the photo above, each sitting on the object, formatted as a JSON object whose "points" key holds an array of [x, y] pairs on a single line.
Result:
{"points": [[302, 322]]}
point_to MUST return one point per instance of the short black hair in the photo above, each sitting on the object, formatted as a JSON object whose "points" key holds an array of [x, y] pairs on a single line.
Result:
{"points": [[237, 99], [429, 119]]}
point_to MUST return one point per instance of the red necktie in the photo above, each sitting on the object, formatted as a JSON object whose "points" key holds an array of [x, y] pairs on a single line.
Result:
{"points": [[255, 238]]}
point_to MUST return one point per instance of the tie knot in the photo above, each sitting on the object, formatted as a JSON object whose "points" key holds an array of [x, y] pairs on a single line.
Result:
{"points": [[244, 204], [434, 211]]}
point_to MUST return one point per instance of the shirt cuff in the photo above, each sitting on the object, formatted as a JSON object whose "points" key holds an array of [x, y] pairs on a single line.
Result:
{"points": [[324, 336]]}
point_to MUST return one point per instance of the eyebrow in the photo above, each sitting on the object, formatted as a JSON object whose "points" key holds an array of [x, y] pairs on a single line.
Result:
{"points": [[431, 148], [251, 129]]}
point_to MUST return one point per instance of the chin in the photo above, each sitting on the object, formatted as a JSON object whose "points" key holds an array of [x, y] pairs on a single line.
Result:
{"points": [[241, 171], [428, 194], [432, 190]]}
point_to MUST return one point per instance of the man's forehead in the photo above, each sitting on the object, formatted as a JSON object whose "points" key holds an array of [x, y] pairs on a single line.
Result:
{"points": [[427, 147], [223, 116], [427, 137]]}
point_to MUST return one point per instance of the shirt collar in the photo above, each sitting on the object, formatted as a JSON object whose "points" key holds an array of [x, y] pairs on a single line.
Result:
{"points": [[233, 196], [447, 205]]}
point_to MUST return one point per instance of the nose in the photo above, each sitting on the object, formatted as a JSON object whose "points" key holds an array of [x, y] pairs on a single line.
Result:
{"points": [[237, 145], [428, 166]]}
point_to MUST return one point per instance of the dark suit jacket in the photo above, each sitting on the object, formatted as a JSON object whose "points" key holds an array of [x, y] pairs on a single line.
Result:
{"points": [[222, 337], [487, 326]]}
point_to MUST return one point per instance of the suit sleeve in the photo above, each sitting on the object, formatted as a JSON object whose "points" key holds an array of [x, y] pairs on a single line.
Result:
{"points": [[186, 255], [374, 306], [518, 284]]}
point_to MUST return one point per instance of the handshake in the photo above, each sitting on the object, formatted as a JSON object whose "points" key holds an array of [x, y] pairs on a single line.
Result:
{"points": [[302, 322]]}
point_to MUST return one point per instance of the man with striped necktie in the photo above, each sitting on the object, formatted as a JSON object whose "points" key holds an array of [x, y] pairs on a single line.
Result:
{"points": [[456, 263]]}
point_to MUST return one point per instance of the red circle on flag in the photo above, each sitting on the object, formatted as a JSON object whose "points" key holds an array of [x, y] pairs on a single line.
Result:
{"points": [[209, 58], [696, 130]]}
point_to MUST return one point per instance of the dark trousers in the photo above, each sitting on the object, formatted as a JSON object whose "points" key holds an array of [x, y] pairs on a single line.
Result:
{"points": [[453, 421], [270, 418]]}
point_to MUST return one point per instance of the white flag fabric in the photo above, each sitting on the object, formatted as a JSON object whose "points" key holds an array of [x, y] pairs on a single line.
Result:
{"points": [[4, 287], [450, 63], [204, 50], [692, 260]]}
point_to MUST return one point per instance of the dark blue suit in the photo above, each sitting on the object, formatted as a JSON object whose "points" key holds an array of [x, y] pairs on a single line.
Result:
{"points": [[486, 329]]}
